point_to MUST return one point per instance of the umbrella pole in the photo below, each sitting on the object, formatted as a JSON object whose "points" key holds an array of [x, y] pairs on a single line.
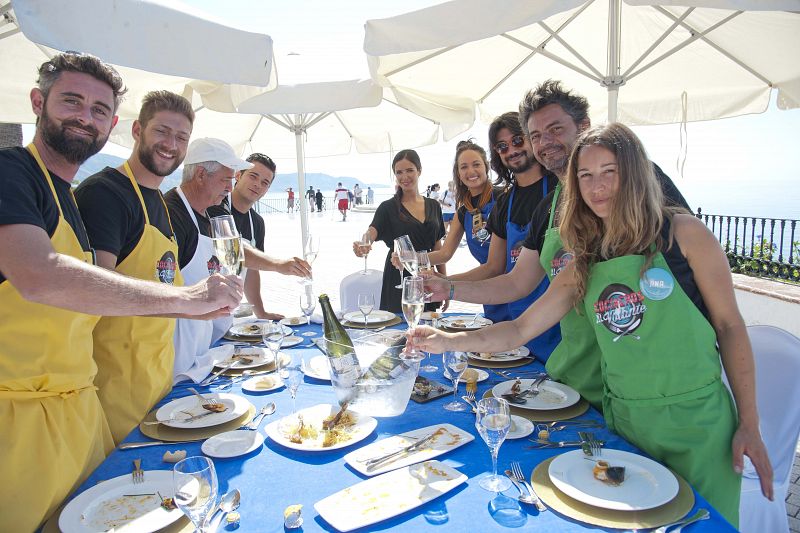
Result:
{"points": [[301, 184]]}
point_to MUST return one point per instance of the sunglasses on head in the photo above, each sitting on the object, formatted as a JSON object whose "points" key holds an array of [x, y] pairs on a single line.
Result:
{"points": [[516, 141]]}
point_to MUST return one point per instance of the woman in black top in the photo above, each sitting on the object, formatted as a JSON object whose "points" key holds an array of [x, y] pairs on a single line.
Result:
{"points": [[407, 213]]}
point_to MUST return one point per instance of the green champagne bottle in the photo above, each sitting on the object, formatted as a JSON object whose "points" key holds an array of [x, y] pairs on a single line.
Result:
{"points": [[345, 369]]}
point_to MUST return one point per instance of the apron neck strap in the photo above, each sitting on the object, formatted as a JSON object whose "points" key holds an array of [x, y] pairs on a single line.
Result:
{"points": [[35, 153], [553, 205]]}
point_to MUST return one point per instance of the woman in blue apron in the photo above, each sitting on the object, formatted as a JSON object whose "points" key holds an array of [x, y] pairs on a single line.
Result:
{"points": [[475, 198]]}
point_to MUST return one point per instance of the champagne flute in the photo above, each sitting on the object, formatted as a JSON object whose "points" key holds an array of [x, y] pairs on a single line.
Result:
{"points": [[493, 420], [307, 304], [195, 483], [428, 367], [364, 246], [456, 364], [292, 375], [423, 261], [227, 244], [310, 251], [407, 256], [366, 303], [273, 334], [413, 301]]}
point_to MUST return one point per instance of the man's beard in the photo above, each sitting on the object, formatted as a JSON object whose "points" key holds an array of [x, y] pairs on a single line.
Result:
{"points": [[74, 149], [148, 159], [524, 166]]}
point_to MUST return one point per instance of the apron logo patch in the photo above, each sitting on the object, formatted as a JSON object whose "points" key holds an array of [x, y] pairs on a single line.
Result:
{"points": [[166, 268], [657, 284], [213, 265], [559, 261], [515, 251], [620, 309]]}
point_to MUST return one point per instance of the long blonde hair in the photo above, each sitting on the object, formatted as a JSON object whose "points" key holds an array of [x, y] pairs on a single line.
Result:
{"points": [[637, 213]]}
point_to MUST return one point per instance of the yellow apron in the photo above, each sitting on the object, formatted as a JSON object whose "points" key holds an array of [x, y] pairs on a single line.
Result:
{"points": [[134, 354], [53, 431]]}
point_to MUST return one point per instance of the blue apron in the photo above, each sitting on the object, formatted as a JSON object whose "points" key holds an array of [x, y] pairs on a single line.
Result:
{"points": [[480, 251], [543, 345]]}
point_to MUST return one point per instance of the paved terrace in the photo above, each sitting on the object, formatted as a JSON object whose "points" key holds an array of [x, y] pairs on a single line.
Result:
{"points": [[336, 260]]}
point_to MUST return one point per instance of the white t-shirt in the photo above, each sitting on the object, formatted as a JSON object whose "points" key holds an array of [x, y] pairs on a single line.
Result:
{"points": [[448, 202]]}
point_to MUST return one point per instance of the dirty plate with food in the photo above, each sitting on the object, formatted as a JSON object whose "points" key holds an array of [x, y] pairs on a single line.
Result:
{"points": [[266, 383], [511, 355], [464, 322], [120, 505], [247, 358], [293, 321], [304, 431], [186, 412], [253, 329], [552, 395]]}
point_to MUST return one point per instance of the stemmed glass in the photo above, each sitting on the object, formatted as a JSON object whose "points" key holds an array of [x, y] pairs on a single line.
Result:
{"points": [[364, 246], [493, 421], [423, 261], [366, 303], [407, 256], [307, 304], [273, 334], [195, 483], [456, 364], [227, 244], [310, 251], [292, 375], [428, 367], [413, 302]]}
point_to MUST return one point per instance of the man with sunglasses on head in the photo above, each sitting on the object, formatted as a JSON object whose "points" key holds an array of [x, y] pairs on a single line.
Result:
{"points": [[251, 186]]}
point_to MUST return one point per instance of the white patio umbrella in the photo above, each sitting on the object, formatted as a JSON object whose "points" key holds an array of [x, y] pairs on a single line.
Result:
{"points": [[637, 61], [153, 46]]}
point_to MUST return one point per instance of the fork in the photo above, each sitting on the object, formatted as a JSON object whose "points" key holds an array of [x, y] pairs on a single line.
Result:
{"points": [[138, 474], [469, 397], [516, 470], [701, 514], [204, 401], [595, 446]]}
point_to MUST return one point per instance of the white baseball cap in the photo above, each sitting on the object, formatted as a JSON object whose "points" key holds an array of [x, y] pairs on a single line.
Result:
{"points": [[208, 149]]}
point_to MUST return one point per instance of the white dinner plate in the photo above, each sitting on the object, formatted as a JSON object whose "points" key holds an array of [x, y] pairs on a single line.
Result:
{"points": [[266, 383], [511, 355], [291, 340], [293, 321], [232, 443], [104, 507], [448, 437], [313, 418], [647, 483], [171, 413], [375, 317], [318, 368], [552, 395], [520, 427], [430, 315], [464, 322], [253, 328], [256, 356], [483, 375], [388, 495]]}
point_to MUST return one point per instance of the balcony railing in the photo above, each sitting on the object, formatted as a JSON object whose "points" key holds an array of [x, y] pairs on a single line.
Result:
{"points": [[761, 247]]}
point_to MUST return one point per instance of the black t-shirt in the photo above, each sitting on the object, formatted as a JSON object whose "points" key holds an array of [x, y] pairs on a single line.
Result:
{"points": [[113, 214], [541, 215], [391, 222], [185, 230], [242, 221], [26, 198], [525, 201]]}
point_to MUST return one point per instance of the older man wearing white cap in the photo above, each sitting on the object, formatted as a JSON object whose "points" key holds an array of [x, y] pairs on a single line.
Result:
{"points": [[208, 174]]}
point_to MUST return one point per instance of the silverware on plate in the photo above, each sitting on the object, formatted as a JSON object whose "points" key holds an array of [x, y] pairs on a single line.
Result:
{"points": [[133, 445], [373, 463]]}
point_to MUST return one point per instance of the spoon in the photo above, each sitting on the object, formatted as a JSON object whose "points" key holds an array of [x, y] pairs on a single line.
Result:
{"points": [[229, 502]]}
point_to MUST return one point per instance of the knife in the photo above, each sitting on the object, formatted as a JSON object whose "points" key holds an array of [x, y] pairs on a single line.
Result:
{"points": [[132, 445], [373, 463], [214, 376]]}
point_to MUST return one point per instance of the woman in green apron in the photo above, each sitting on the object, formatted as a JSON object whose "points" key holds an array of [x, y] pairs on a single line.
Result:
{"points": [[655, 286]]}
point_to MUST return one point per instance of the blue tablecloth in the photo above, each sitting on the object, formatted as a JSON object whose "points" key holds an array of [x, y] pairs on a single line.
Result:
{"points": [[273, 477]]}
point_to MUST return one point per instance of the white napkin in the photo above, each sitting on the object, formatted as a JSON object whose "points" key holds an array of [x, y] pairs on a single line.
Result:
{"points": [[202, 365], [316, 318]]}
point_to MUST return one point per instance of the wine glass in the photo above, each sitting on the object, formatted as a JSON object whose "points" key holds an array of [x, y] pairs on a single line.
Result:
{"points": [[366, 303], [195, 483], [292, 375], [310, 251], [423, 261], [407, 256], [413, 301], [493, 421], [273, 334], [456, 364], [428, 367], [307, 304], [364, 246], [227, 244]]}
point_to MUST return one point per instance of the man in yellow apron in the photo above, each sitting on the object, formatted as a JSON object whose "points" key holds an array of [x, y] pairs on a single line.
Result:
{"points": [[54, 431], [129, 227]]}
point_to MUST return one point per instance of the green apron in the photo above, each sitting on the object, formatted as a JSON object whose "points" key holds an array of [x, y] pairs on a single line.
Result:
{"points": [[576, 359], [662, 374]]}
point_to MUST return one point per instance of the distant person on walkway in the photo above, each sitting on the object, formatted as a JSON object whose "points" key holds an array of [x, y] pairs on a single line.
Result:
{"points": [[448, 203], [357, 191], [320, 199], [370, 195], [208, 173], [129, 227], [290, 200], [310, 198], [251, 186], [407, 213], [435, 192], [342, 199], [54, 431]]}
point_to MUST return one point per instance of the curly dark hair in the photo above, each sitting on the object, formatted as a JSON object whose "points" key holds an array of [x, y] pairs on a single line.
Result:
{"points": [[509, 121]]}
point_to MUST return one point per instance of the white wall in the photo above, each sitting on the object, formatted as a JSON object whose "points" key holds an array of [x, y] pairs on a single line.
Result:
{"points": [[761, 309]]}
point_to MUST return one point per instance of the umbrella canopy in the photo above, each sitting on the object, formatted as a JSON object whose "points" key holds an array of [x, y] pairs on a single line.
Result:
{"points": [[151, 45], [637, 61]]}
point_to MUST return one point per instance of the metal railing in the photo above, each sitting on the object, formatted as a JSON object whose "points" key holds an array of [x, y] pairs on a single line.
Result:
{"points": [[280, 205], [761, 247]]}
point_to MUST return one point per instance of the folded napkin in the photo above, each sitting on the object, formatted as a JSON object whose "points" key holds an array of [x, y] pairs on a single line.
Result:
{"points": [[203, 365], [316, 318]]}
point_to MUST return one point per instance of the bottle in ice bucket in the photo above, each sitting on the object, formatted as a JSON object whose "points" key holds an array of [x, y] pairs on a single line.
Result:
{"points": [[338, 346]]}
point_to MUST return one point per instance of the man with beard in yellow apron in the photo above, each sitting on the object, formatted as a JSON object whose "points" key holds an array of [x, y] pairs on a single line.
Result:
{"points": [[129, 227], [54, 431]]}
